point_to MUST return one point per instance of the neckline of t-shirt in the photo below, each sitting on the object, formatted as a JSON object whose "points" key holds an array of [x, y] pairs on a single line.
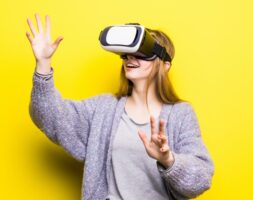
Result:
{"points": [[136, 123]]}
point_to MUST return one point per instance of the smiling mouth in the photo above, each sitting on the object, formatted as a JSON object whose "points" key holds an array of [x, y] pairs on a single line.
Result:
{"points": [[131, 66]]}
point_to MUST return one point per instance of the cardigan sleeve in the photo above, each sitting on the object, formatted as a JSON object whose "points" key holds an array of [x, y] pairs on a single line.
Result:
{"points": [[192, 171], [65, 122], [45, 76]]}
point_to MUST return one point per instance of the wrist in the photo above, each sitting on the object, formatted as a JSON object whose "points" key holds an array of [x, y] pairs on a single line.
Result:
{"points": [[169, 161], [43, 66]]}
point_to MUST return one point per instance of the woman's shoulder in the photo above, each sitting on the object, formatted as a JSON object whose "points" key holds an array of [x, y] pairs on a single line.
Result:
{"points": [[184, 113], [182, 108]]}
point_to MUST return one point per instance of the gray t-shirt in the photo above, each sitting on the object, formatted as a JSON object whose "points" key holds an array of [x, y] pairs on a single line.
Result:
{"points": [[134, 174]]}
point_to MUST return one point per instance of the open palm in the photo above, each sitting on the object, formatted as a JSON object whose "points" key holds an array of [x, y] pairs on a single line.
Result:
{"points": [[43, 48]]}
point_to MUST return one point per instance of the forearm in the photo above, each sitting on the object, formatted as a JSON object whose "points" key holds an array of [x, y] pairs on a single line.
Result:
{"points": [[42, 103], [189, 176], [64, 121]]}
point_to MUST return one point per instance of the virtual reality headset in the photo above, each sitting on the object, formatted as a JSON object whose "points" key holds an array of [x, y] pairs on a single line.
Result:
{"points": [[132, 39]]}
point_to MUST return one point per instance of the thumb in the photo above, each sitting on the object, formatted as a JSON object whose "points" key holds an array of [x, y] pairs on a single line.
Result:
{"points": [[143, 137], [57, 42]]}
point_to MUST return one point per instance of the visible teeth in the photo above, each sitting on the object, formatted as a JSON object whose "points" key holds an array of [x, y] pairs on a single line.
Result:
{"points": [[132, 65]]}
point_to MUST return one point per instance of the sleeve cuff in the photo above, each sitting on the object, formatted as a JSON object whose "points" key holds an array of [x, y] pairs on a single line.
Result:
{"points": [[43, 82], [45, 76], [163, 171]]}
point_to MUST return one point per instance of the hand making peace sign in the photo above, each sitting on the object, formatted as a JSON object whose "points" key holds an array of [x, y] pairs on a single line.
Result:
{"points": [[158, 147]]}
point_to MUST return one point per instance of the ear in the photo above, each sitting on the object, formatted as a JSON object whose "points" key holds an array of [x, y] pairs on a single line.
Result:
{"points": [[167, 66]]}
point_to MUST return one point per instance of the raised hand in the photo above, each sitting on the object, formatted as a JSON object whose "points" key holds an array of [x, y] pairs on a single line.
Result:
{"points": [[41, 44], [158, 147]]}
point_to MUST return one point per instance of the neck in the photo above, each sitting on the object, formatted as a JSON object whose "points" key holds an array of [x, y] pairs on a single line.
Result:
{"points": [[138, 98]]}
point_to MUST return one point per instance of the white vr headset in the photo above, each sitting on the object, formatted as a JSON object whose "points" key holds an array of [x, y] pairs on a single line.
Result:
{"points": [[132, 39]]}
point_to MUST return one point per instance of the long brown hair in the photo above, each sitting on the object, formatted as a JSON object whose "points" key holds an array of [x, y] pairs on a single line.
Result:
{"points": [[164, 89]]}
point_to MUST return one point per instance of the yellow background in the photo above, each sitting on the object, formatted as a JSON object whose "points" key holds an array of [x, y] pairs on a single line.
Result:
{"points": [[213, 69]]}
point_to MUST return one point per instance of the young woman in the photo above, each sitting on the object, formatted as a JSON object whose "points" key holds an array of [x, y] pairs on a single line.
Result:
{"points": [[141, 143]]}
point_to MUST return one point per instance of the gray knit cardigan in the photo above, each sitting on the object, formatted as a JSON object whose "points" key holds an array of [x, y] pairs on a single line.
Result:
{"points": [[86, 128]]}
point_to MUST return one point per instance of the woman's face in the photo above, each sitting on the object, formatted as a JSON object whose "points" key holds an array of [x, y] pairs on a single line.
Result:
{"points": [[137, 69]]}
